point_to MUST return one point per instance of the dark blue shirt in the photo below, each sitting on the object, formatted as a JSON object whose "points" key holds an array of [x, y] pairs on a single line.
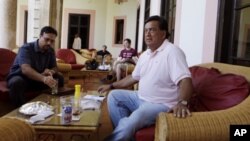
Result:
{"points": [[102, 53], [31, 54]]}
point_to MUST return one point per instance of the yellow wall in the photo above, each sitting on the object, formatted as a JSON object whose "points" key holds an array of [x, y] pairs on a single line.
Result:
{"points": [[99, 8], [104, 13], [127, 9]]}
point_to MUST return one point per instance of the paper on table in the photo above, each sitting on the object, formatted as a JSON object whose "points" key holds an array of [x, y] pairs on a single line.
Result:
{"points": [[41, 115], [36, 118], [89, 104], [45, 114], [94, 97]]}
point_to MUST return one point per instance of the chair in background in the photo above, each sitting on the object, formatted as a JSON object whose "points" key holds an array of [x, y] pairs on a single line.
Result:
{"points": [[6, 60], [107, 60]]}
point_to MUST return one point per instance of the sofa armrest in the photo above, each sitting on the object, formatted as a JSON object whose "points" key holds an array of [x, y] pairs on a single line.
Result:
{"points": [[63, 67], [79, 58], [60, 60], [205, 126], [13, 129]]}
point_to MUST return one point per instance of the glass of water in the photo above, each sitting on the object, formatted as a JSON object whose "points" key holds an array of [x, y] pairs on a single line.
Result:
{"points": [[54, 89]]}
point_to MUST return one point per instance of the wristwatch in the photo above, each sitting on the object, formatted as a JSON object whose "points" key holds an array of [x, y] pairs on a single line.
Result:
{"points": [[183, 102]]}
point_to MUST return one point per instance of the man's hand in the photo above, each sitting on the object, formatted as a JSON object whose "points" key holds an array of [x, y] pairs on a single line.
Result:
{"points": [[48, 72], [50, 81], [181, 111], [103, 88]]}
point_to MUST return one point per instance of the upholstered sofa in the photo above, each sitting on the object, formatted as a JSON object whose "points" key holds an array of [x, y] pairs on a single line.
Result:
{"points": [[69, 57], [221, 99], [73, 58], [13, 129], [77, 59], [88, 53]]}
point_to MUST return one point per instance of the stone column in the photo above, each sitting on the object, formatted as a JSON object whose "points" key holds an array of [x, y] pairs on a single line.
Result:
{"points": [[38, 16], [43, 13], [55, 20], [8, 10]]}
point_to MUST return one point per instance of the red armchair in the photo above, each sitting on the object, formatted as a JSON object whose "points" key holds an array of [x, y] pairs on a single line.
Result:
{"points": [[6, 59], [220, 90], [145, 134]]}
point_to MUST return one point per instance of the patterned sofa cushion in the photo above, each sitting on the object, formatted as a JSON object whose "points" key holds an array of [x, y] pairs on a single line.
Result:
{"points": [[216, 91]]}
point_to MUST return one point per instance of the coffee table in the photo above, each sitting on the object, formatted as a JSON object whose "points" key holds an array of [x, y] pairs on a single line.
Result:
{"points": [[53, 126], [89, 73]]}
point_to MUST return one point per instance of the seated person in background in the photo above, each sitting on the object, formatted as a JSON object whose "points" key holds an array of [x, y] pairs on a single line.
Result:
{"points": [[165, 85], [127, 56], [103, 52], [34, 67]]}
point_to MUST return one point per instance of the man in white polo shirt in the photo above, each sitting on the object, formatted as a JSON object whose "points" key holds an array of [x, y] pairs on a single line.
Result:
{"points": [[164, 85]]}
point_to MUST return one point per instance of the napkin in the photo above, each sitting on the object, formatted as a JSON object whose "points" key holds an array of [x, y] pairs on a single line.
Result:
{"points": [[41, 115], [94, 97]]}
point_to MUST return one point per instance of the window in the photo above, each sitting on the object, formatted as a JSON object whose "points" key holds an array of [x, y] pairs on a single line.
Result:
{"points": [[233, 35], [25, 26], [119, 29], [168, 9], [147, 9], [146, 16], [79, 23], [137, 28]]}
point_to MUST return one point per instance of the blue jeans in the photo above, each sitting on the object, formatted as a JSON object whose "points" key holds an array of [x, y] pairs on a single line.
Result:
{"points": [[129, 114]]}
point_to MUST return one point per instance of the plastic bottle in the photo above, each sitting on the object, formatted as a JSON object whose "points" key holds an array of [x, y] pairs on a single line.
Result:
{"points": [[77, 97]]}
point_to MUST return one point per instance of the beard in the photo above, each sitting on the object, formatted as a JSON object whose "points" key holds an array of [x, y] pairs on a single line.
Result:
{"points": [[46, 48]]}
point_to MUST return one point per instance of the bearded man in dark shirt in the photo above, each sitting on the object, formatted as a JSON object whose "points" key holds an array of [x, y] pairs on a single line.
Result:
{"points": [[34, 67]]}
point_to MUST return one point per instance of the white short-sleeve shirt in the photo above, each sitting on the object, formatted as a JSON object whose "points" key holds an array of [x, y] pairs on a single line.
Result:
{"points": [[159, 73], [77, 43]]}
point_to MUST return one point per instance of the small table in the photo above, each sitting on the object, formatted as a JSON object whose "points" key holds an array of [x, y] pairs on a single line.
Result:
{"points": [[88, 124], [89, 74]]}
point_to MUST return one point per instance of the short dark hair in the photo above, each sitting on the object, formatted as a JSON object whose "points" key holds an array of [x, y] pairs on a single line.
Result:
{"points": [[104, 46], [163, 24], [48, 29], [128, 40]]}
